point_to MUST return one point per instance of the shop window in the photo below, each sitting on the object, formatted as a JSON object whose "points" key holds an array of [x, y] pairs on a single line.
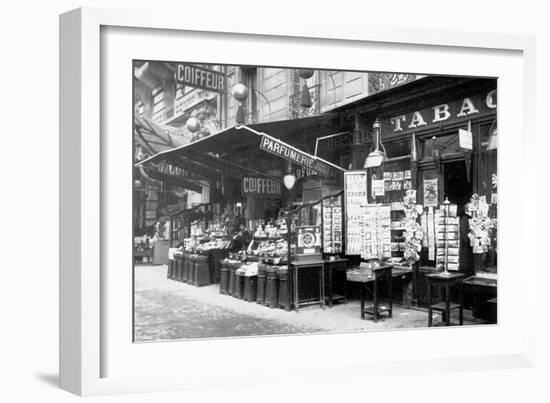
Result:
{"points": [[397, 149], [487, 178], [158, 104], [447, 144]]}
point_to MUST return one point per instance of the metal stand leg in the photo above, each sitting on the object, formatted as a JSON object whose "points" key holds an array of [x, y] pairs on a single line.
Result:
{"points": [[448, 305], [375, 302], [363, 300], [322, 287], [390, 296], [296, 303], [430, 305]]}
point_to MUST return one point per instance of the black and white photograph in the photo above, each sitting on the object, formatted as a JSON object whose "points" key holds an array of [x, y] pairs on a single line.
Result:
{"points": [[274, 200]]}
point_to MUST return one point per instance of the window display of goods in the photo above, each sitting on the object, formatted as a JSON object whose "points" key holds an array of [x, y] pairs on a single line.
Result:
{"points": [[214, 243], [269, 231], [217, 230], [271, 248]]}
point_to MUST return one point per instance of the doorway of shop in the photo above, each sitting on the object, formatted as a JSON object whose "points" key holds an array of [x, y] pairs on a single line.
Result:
{"points": [[456, 186]]}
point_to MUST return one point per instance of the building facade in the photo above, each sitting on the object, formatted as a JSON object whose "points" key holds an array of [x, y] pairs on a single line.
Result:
{"points": [[189, 112]]}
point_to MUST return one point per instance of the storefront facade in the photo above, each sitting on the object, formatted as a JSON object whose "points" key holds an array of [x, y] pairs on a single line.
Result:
{"points": [[283, 182]]}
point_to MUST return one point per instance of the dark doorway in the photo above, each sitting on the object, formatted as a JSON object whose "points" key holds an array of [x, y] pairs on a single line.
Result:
{"points": [[456, 186]]}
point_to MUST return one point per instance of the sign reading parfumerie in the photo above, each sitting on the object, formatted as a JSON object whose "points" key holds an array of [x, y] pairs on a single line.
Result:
{"points": [[199, 77], [261, 187], [294, 155]]}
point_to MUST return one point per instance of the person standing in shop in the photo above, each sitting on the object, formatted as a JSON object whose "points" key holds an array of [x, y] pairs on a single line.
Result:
{"points": [[242, 238]]}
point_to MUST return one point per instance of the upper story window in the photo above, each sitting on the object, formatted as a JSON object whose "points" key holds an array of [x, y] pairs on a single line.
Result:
{"points": [[158, 105]]}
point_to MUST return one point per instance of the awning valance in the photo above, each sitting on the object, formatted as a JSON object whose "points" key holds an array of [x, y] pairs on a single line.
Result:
{"points": [[238, 150]]}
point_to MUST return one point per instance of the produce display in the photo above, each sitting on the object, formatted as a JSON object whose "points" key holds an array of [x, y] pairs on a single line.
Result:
{"points": [[214, 243], [248, 269], [270, 248]]}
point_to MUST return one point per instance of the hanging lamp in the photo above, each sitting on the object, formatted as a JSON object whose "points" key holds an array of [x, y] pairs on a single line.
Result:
{"points": [[376, 157]]}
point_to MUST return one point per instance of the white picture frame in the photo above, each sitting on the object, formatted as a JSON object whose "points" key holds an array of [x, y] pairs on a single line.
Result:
{"points": [[88, 337]]}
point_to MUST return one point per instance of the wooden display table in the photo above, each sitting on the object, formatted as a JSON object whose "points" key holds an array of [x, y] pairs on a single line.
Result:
{"points": [[374, 275], [446, 283]]}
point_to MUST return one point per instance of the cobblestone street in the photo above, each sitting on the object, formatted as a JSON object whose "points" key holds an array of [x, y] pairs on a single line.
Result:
{"points": [[169, 310]]}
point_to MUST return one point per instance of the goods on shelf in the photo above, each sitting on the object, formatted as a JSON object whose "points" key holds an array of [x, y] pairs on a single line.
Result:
{"points": [[270, 231], [270, 248], [214, 243]]}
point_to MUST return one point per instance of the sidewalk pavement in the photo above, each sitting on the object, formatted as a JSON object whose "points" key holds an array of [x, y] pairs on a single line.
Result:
{"points": [[170, 310]]}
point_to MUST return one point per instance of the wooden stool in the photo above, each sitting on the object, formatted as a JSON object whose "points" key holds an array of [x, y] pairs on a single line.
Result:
{"points": [[375, 276], [445, 283]]}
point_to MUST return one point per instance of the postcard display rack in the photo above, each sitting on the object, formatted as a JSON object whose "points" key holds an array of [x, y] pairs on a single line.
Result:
{"points": [[368, 226], [332, 225], [355, 195], [376, 232], [447, 238]]}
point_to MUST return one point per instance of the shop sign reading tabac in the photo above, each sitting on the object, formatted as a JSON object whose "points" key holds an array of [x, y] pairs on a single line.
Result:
{"points": [[199, 77], [462, 109], [295, 156]]}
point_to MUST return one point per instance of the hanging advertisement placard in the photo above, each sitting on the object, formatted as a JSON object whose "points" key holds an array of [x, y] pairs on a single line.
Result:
{"points": [[378, 187], [465, 139], [430, 192]]}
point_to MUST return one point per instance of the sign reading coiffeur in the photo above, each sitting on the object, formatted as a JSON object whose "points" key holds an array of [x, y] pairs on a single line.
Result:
{"points": [[261, 187], [200, 77], [294, 155]]}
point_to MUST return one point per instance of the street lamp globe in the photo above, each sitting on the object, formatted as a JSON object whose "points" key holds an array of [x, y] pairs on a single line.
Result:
{"points": [[240, 92], [305, 73], [193, 124]]}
